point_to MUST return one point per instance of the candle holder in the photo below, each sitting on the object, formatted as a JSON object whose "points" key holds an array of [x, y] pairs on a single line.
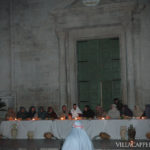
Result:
{"points": [[14, 131], [30, 134], [123, 132]]}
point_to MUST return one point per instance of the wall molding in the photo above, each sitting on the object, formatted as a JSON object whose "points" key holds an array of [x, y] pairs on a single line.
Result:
{"points": [[71, 27]]}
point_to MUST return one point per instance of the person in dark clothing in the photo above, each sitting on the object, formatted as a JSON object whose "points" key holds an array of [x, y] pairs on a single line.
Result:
{"points": [[51, 113], [41, 113], [144, 114], [32, 112], [118, 104], [22, 113], [126, 111], [88, 113]]}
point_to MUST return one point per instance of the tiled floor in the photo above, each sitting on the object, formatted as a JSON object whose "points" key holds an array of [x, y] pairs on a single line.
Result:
{"points": [[56, 145]]}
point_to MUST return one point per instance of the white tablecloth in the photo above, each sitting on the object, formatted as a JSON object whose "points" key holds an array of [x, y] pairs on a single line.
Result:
{"points": [[38, 127], [61, 128]]}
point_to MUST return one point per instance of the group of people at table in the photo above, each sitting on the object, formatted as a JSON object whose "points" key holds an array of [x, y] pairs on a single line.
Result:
{"points": [[117, 111]]}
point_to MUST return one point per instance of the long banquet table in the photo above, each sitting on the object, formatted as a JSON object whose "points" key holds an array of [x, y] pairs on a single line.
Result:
{"points": [[61, 128]]}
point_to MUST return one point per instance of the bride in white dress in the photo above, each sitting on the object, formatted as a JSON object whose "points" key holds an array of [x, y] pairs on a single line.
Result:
{"points": [[77, 139]]}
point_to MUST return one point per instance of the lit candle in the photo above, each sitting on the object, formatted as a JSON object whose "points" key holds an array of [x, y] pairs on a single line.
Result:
{"points": [[62, 118], [76, 118], [15, 119], [142, 117], [33, 119], [103, 118]]}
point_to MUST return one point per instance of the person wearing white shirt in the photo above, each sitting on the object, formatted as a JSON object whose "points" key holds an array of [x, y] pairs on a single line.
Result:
{"points": [[75, 111], [113, 113]]}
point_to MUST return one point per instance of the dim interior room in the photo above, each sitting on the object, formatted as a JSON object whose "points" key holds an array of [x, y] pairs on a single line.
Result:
{"points": [[67, 60]]}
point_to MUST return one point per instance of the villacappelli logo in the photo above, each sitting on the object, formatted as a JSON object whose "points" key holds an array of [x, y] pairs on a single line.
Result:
{"points": [[133, 144]]}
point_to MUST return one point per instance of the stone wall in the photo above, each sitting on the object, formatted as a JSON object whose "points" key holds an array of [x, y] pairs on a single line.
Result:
{"points": [[5, 54], [35, 48], [37, 62], [144, 55]]}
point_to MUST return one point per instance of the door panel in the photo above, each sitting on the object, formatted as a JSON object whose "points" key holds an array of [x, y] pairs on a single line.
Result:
{"points": [[107, 94], [94, 93], [116, 92], [98, 62], [84, 71], [83, 93]]}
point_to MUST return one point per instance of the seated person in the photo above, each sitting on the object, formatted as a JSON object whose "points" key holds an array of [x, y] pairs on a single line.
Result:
{"points": [[146, 112], [99, 112], [114, 113], [137, 111], [10, 115], [51, 113], [126, 111], [64, 113], [22, 113], [41, 113], [118, 104], [32, 112], [75, 111], [88, 113]]}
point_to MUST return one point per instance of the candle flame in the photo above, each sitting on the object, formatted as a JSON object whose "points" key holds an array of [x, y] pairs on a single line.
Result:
{"points": [[76, 118], [62, 118]]}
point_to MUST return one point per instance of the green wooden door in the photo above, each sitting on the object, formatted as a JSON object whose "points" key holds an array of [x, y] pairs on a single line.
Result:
{"points": [[98, 72]]}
